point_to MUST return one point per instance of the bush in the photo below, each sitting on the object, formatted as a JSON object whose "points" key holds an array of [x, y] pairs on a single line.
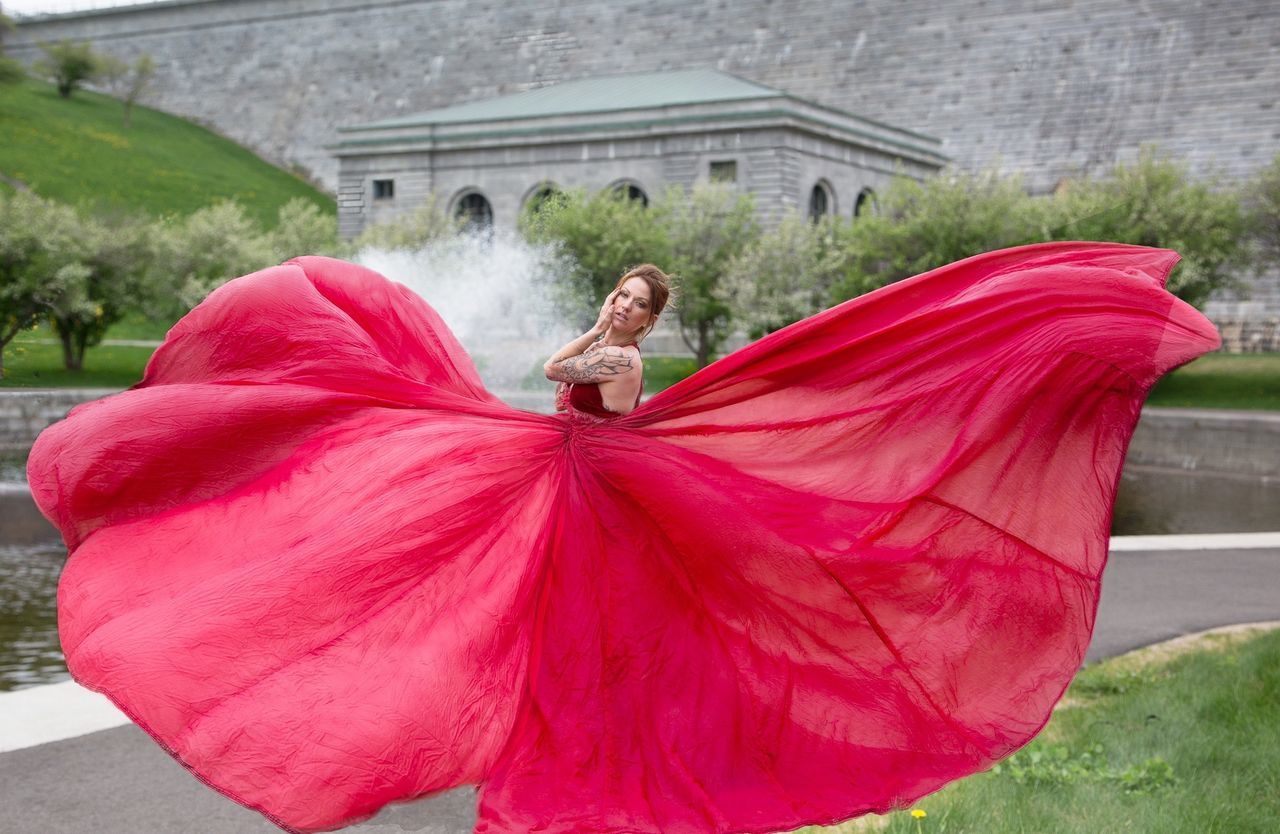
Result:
{"points": [[195, 254], [428, 223], [919, 226], [69, 64], [603, 235], [1155, 202], [787, 273], [1262, 214]]}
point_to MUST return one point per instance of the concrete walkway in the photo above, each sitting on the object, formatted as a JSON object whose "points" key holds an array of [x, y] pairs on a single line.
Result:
{"points": [[73, 765]]}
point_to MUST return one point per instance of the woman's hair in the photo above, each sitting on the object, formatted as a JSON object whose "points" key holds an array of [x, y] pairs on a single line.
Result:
{"points": [[660, 289]]}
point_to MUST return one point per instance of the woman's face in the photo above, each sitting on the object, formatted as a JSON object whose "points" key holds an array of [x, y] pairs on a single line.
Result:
{"points": [[632, 308]]}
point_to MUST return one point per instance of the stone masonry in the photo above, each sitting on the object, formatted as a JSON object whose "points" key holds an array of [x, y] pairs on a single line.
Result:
{"points": [[1047, 89]]}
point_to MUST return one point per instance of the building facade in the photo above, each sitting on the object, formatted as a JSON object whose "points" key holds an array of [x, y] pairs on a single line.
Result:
{"points": [[637, 133]]}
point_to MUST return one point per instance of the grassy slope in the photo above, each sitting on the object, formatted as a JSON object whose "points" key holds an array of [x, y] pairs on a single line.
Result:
{"points": [[77, 151]]}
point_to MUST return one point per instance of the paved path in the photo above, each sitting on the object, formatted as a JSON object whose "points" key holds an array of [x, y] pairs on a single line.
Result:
{"points": [[118, 781]]}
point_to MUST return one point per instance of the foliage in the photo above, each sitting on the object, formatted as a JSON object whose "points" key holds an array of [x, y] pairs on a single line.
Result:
{"points": [[707, 228], [919, 226], [302, 229], [10, 70], [1155, 202], [603, 234], [195, 254], [79, 272], [429, 222], [69, 64], [787, 273], [126, 81], [1058, 764], [34, 249], [103, 281], [1262, 213], [163, 165]]}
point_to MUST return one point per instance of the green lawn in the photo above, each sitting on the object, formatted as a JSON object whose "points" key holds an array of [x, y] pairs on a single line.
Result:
{"points": [[1223, 380], [31, 365], [78, 151], [1188, 744]]}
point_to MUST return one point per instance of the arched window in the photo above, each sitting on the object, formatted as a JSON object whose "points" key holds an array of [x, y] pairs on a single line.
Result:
{"points": [[475, 210], [821, 201], [631, 191], [540, 195], [865, 203]]}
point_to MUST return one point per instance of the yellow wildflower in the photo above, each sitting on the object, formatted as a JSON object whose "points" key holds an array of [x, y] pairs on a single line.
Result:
{"points": [[918, 813]]}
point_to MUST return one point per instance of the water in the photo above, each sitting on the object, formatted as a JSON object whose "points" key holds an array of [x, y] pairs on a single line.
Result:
{"points": [[29, 650], [496, 294]]}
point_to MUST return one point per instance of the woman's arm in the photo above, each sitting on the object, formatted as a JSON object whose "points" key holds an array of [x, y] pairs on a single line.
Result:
{"points": [[607, 363], [575, 348]]}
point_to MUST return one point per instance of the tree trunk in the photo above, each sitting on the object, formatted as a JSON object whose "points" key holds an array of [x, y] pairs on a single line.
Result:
{"points": [[128, 114], [69, 358], [64, 89], [81, 341], [704, 346]]}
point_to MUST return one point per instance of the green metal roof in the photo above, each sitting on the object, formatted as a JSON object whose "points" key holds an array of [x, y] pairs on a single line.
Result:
{"points": [[596, 95]]}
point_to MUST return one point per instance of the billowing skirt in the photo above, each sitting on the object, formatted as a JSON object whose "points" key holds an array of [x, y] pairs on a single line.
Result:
{"points": [[326, 570]]}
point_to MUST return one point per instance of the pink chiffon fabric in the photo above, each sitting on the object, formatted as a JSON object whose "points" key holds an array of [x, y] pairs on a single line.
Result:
{"points": [[326, 570]]}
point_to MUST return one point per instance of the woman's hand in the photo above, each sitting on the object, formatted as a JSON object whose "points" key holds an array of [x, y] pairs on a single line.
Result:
{"points": [[606, 314]]}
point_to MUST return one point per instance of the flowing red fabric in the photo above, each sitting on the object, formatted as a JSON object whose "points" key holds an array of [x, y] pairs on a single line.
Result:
{"points": [[824, 576]]}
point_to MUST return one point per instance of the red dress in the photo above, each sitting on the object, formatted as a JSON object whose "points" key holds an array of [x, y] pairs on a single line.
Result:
{"points": [[859, 558]]}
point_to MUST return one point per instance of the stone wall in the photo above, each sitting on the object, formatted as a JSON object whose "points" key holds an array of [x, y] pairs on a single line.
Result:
{"points": [[1048, 89], [26, 413]]}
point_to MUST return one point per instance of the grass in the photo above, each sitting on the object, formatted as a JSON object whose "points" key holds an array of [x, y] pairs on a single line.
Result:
{"points": [[29, 364], [1155, 741], [69, 149], [1221, 380]]}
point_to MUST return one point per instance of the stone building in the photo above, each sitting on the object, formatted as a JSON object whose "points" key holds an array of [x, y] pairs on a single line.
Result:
{"points": [[638, 133], [1045, 90]]}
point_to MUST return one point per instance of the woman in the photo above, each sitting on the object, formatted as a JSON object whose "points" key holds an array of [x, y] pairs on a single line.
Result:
{"points": [[600, 372], [857, 559]]}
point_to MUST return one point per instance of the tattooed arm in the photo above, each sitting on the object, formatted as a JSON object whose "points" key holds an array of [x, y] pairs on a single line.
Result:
{"points": [[600, 365]]}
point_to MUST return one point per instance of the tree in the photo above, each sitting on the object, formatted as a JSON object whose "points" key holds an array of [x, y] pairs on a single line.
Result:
{"points": [[1155, 202], [918, 226], [68, 64], [126, 81], [195, 254], [302, 229], [706, 228], [10, 70], [1262, 213], [603, 235], [37, 247], [104, 277], [427, 223], [787, 273]]}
